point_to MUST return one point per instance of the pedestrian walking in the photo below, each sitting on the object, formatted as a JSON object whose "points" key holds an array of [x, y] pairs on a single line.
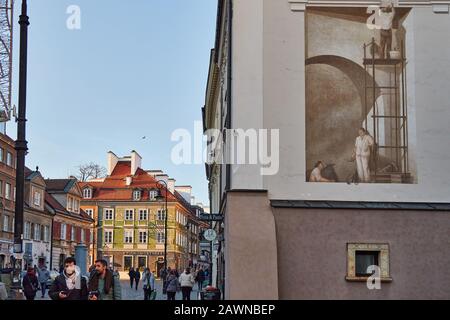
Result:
{"points": [[43, 276], [137, 277], [69, 285], [186, 281], [131, 274], [172, 285], [104, 284], [148, 280], [200, 277], [30, 284]]}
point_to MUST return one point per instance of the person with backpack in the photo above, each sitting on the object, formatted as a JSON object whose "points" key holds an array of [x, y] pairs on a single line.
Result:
{"points": [[104, 284], [30, 284]]}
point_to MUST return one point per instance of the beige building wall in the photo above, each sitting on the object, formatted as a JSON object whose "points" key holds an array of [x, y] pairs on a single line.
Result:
{"points": [[298, 253]]}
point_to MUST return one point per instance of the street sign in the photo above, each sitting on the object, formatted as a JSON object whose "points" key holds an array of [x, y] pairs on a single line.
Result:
{"points": [[211, 217], [210, 235]]}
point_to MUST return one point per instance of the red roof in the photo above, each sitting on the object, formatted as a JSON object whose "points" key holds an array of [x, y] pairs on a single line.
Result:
{"points": [[114, 187]]}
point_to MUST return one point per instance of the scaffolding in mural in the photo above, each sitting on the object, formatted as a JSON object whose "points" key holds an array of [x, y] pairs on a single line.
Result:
{"points": [[385, 108], [6, 49]]}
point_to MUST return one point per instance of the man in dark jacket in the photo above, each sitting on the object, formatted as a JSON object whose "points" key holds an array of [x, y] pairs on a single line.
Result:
{"points": [[131, 273], [200, 278], [69, 285], [137, 277], [104, 284]]}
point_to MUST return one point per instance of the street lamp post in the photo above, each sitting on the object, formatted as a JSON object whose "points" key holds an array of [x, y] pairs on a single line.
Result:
{"points": [[21, 143]]}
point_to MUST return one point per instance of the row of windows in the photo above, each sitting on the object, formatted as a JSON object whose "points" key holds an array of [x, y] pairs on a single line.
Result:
{"points": [[181, 218], [63, 235], [129, 236], [9, 158], [37, 232], [129, 214], [181, 239], [108, 214], [137, 194], [5, 190]]}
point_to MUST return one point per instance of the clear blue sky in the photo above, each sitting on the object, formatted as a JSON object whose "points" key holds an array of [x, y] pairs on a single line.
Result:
{"points": [[136, 68]]}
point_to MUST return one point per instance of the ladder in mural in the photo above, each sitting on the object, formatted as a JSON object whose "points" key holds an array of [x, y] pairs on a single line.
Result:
{"points": [[386, 117]]}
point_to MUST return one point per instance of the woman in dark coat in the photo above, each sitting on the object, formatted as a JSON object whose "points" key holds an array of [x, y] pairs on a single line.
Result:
{"points": [[30, 284]]}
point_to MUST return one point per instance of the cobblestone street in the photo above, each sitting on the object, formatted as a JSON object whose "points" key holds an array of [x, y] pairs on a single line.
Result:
{"points": [[133, 294]]}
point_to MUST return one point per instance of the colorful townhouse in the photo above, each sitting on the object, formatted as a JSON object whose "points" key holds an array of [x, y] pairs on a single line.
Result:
{"points": [[72, 227], [130, 221], [38, 220]]}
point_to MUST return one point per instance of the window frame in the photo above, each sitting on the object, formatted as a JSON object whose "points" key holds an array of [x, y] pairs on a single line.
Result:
{"points": [[105, 214], [126, 216], [140, 235], [161, 215], [89, 212], [383, 261], [160, 237], [63, 232], [87, 193], [27, 230], [9, 159], [126, 236], [46, 234], [6, 222], [8, 187], [138, 193], [37, 198], [106, 239], [141, 213]]}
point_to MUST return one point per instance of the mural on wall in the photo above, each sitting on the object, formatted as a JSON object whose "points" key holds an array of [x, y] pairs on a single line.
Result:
{"points": [[357, 113]]}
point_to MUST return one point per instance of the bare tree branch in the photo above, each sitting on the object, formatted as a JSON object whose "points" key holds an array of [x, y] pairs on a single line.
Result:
{"points": [[90, 171]]}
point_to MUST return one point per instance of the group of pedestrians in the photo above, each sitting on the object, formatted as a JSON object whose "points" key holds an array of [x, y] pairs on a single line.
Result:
{"points": [[35, 279], [102, 284], [135, 276], [148, 280], [173, 282]]}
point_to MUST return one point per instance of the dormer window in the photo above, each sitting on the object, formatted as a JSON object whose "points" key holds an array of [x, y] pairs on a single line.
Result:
{"points": [[137, 195], [152, 194], [87, 193]]}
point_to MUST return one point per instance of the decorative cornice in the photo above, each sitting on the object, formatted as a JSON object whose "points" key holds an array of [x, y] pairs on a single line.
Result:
{"points": [[300, 5]]}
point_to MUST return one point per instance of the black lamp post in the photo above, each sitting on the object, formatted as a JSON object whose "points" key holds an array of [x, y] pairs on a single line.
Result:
{"points": [[160, 197], [21, 143]]}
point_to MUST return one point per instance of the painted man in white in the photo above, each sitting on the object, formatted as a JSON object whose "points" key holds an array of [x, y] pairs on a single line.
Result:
{"points": [[363, 150], [316, 174], [387, 14]]}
